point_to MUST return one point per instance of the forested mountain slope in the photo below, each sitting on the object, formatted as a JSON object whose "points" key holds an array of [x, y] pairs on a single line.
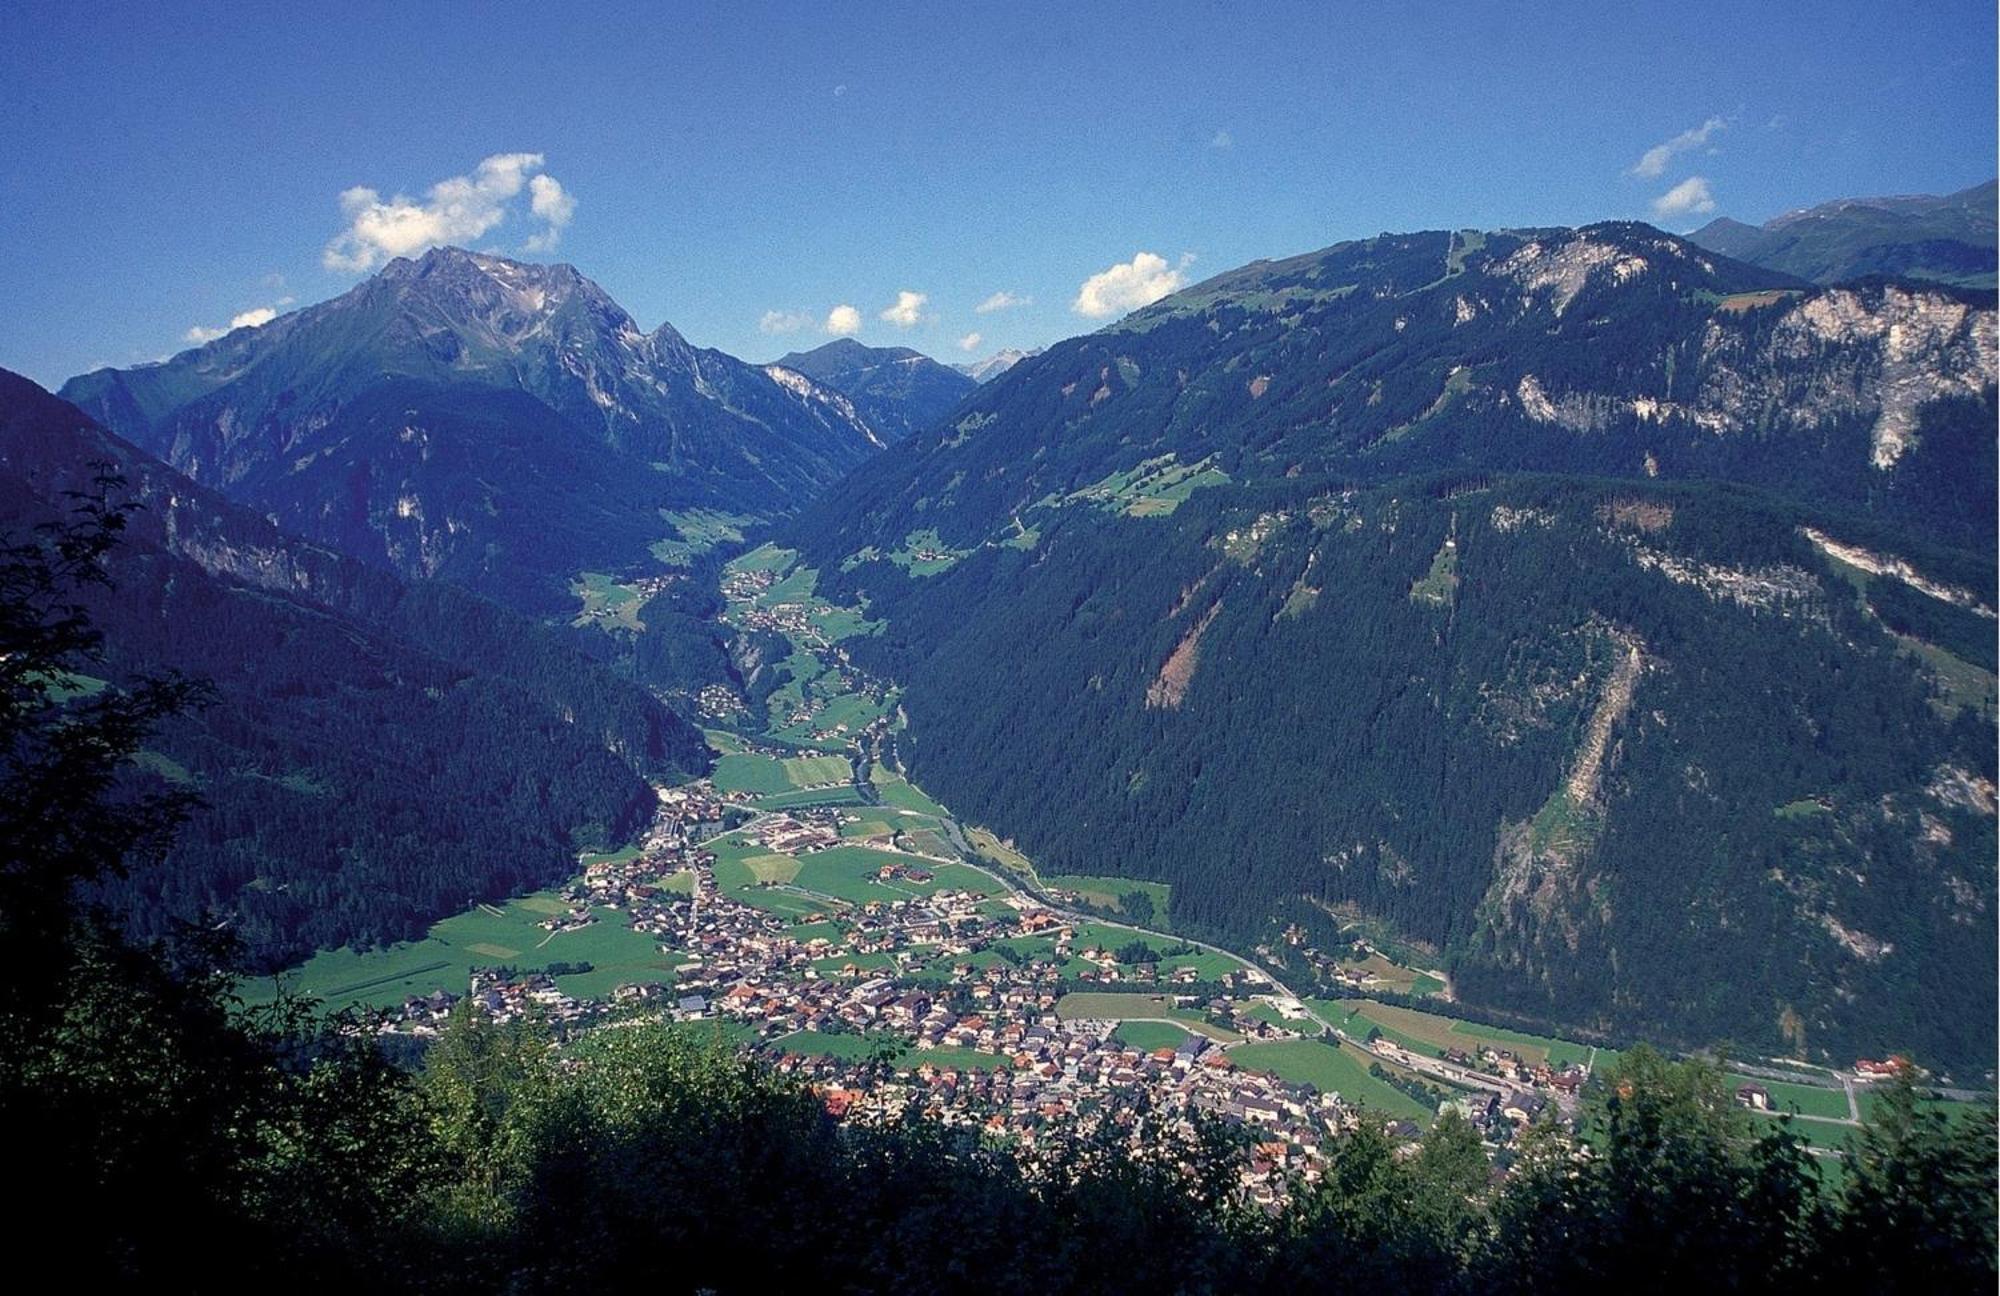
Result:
{"points": [[1611, 620], [899, 391], [495, 423], [377, 753]]}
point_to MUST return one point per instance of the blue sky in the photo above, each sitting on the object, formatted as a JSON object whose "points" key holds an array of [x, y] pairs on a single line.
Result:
{"points": [[744, 169]]}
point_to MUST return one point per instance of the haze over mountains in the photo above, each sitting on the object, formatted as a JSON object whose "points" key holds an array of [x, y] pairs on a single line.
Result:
{"points": [[1604, 618]]}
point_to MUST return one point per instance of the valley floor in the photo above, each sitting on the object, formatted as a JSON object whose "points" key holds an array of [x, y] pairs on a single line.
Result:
{"points": [[808, 903]]}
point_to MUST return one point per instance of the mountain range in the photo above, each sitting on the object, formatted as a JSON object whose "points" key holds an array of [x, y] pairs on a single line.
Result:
{"points": [[377, 753], [484, 421], [996, 364], [897, 390], [1600, 619], [1950, 239]]}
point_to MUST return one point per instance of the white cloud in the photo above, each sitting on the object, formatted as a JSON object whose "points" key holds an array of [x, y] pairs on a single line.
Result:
{"points": [[970, 342], [459, 210], [774, 321], [1221, 140], [1002, 300], [843, 321], [907, 311], [256, 317], [1129, 285], [1653, 163], [552, 204], [1690, 197]]}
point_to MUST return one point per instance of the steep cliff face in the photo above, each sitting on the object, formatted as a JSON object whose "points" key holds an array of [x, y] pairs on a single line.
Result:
{"points": [[1613, 350]]}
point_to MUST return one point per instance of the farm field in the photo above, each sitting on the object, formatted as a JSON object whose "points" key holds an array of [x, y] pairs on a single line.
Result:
{"points": [[1207, 964], [1149, 1035], [849, 873], [1339, 1070], [897, 791], [762, 775], [1395, 978], [844, 795], [956, 1059], [1104, 892], [486, 936], [1807, 1100], [765, 557], [698, 531], [849, 1048], [1432, 1032], [606, 603], [986, 843], [1113, 1006]]}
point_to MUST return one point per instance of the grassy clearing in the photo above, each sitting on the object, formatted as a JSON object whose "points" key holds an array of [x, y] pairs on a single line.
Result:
{"points": [[1341, 1070], [1108, 892], [772, 868], [849, 1048], [1807, 1100], [486, 936], [898, 791], [1396, 978], [844, 795], [1431, 1032], [748, 772], [1147, 1035], [998, 852], [607, 604], [1961, 685], [817, 771], [955, 1059], [1439, 585], [852, 873], [696, 532], [1739, 303], [1111, 1006], [765, 557], [728, 744], [1207, 964], [924, 553], [1154, 488]]}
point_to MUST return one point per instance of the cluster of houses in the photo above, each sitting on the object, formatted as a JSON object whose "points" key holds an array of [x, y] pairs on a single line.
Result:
{"points": [[497, 993]]}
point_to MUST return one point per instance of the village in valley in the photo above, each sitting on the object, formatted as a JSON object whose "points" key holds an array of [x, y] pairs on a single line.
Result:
{"points": [[807, 903]]}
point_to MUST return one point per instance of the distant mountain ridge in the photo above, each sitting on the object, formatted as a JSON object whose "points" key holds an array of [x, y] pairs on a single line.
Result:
{"points": [[983, 371], [897, 390], [493, 422], [378, 752], [1950, 238]]}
